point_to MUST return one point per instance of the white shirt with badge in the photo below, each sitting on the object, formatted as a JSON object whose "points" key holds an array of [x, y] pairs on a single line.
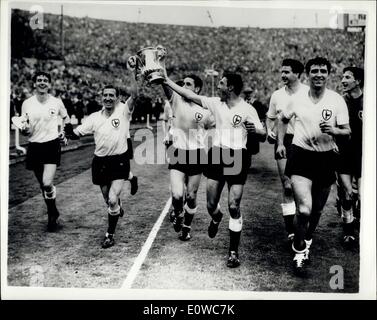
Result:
{"points": [[230, 129], [110, 132], [331, 108], [189, 123], [279, 101], [44, 117]]}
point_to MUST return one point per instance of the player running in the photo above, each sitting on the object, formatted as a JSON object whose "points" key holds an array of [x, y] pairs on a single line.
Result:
{"points": [[43, 113], [291, 71], [111, 162], [188, 126], [234, 119], [349, 166], [320, 115]]}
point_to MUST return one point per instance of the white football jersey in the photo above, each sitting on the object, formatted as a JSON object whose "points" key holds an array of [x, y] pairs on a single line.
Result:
{"points": [[279, 101], [44, 118], [110, 133], [230, 129], [189, 123], [308, 135]]}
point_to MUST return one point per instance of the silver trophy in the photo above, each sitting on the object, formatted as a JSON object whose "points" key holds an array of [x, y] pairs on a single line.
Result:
{"points": [[149, 62]]}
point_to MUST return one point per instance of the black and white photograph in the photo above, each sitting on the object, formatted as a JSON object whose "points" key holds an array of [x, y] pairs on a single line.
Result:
{"points": [[188, 150]]}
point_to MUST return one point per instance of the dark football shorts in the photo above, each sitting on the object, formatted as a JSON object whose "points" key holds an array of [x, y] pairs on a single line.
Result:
{"points": [[316, 166], [287, 144], [190, 162], [42, 153], [109, 168], [350, 161], [228, 165]]}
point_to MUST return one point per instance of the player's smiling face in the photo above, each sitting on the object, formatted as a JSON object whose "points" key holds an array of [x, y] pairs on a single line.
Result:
{"points": [[318, 75], [109, 98], [287, 76], [42, 84], [348, 81]]}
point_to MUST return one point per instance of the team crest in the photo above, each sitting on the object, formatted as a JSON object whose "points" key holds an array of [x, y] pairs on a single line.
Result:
{"points": [[326, 114], [115, 123], [198, 116], [360, 114], [236, 120], [52, 112]]}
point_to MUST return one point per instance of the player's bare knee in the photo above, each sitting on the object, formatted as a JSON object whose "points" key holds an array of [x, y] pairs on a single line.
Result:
{"points": [[47, 186], [112, 201], [177, 195], [234, 210], [304, 210]]}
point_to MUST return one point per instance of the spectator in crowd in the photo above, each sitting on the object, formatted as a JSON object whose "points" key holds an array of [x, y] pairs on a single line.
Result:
{"points": [[158, 108], [95, 44], [79, 108], [68, 103], [92, 105], [250, 98], [252, 145]]}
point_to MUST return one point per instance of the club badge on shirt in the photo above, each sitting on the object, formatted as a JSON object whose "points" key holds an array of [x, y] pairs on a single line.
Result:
{"points": [[52, 112], [326, 114], [198, 116], [236, 120], [360, 114], [115, 123]]}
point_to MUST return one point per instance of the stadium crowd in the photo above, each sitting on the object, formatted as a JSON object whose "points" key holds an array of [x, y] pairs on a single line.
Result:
{"points": [[96, 51]]}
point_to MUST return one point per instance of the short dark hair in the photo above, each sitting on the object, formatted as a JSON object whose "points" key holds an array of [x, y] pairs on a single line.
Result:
{"points": [[296, 66], [235, 80], [198, 83], [358, 74], [110, 86], [180, 83], [319, 61], [41, 73]]}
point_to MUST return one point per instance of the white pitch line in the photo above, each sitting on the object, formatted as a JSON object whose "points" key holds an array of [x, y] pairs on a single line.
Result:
{"points": [[145, 249]]}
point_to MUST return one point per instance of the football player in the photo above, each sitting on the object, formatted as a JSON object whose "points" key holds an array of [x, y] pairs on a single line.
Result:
{"points": [[228, 159], [349, 166], [111, 162], [188, 125], [320, 115], [291, 71], [43, 113]]}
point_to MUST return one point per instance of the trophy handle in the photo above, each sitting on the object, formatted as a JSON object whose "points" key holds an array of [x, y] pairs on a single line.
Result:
{"points": [[134, 64]]}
